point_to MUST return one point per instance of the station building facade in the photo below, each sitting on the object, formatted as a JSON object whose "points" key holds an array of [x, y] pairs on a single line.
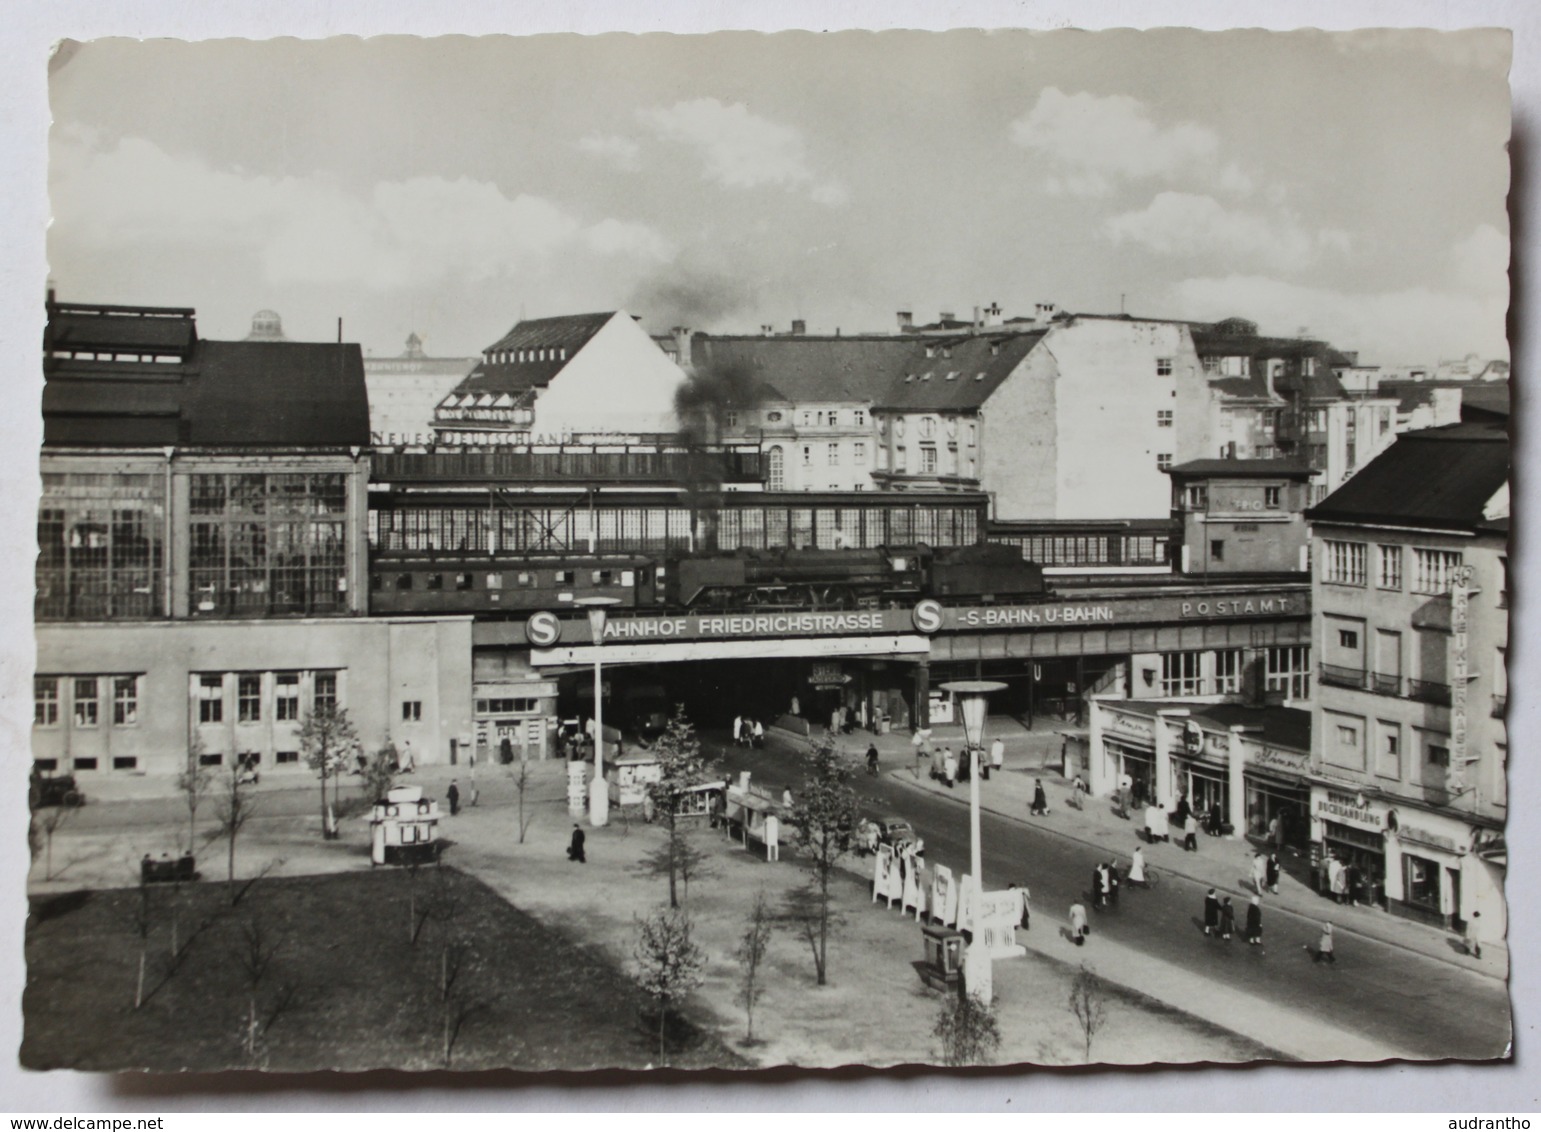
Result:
{"points": [[201, 577]]}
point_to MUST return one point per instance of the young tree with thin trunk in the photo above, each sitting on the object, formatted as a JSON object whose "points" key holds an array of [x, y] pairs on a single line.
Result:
{"points": [[968, 1031], [142, 924], [521, 779], [46, 823], [669, 965], [1088, 1002], [194, 783], [327, 737], [678, 856], [752, 946], [825, 815], [255, 951], [682, 767], [233, 810]]}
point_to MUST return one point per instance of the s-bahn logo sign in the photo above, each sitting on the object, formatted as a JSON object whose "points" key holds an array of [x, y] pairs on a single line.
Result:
{"points": [[928, 616], [543, 630]]}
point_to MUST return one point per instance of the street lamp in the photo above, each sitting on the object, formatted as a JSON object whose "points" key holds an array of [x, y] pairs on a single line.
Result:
{"points": [[974, 701], [599, 792]]}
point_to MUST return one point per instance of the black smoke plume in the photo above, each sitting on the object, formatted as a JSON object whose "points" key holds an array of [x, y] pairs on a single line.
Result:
{"points": [[701, 404]]}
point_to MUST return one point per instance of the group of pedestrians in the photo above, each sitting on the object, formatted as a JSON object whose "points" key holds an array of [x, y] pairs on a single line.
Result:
{"points": [[748, 732], [1220, 918]]}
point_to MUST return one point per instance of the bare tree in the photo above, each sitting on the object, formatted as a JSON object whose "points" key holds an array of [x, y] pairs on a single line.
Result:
{"points": [[825, 814], [255, 952], [46, 821], [193, 783], [752, 946], [327, 736], [669, 964], [682, 767], [233, 809], [678, 855], [968, 1031], [521, 779], [1088, 1002], [461, 995]]}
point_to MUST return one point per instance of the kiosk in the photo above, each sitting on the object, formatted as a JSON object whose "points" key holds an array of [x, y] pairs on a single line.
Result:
{"points": [[404, 828]]}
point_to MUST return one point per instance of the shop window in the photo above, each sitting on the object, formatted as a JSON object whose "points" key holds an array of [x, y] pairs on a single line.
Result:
{"points": [[411, 711], [286, 696], [125, 762], [284, 757], [1420, 882], [45, 701], [248, 698], [125, 701], [211, 699], [86, 702], [84, 764]]}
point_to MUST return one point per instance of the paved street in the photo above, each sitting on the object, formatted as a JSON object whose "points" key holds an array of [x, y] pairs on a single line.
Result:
{"points": [[1402, 1000]]}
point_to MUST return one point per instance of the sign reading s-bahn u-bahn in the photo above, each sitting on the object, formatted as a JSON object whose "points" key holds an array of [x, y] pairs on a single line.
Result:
{"points": [[928, 617]]}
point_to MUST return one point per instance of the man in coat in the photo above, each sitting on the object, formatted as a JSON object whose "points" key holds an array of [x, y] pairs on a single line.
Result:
{"points": [[1272, 876], [453, 794], [1255, 921], [1211, 912], [1040, 805], [575, 847]]}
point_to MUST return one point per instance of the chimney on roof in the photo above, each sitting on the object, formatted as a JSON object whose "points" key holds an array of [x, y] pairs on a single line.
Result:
{"points": [[906, 321], [681, 345], [979, 318], [766, 329], [993, 314], [1044, 312], [799, 326], [948, 316]]}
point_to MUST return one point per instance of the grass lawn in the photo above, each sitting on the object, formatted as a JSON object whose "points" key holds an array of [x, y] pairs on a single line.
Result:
{"points": [[342, 985]]}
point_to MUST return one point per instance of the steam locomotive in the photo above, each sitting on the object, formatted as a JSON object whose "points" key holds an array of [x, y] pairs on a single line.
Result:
{"points": [[779, 579]]}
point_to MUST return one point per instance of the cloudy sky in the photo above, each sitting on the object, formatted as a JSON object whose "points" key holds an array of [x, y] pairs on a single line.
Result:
{"points": [[1351, 184]]}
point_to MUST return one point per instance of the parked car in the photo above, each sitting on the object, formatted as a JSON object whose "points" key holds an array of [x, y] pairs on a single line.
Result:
{"points": [[59, 790], [897, 832]]}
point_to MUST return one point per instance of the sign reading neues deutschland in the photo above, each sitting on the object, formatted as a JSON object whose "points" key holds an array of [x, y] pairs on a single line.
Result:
{"points": [[928, 616]]}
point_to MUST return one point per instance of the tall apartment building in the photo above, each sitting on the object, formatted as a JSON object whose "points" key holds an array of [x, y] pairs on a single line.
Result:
{"points": [[1410, 630]]}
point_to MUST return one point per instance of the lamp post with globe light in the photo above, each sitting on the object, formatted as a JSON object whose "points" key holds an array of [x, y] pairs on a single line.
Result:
{"points": [[973, 698], [599, 790]]}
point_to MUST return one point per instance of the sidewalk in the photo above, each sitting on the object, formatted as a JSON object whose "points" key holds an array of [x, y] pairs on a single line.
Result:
{"points": [[1219, 862]]}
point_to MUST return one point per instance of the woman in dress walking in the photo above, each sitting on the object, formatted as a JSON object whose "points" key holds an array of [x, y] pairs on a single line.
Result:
{"points": [[1255, 921], [1323, 952], [1078, 923]]}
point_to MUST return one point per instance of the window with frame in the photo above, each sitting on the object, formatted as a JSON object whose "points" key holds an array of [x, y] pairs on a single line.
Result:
{"points": [[860, 416], [730, 419], [1388, 754], [1434, 570], [324, 691], [1273, 498], [1343, 563], [775, 469], [45, 701], [1348, 735], [1348, 638], [86, 703], [1287, 669], [411, 711], [125, 762], [859, 453], [807, 455], [1227, 672], [1181, 673], [1163, 367], [1163, 461], [928, 459], [1217, 550], [832, 455], [286, 757], [248, 697], [100, 543], [125, 701], [211, 699], [1198, 497], [286, 696], [1438, 755], [1163, 418], [1388, 567]]}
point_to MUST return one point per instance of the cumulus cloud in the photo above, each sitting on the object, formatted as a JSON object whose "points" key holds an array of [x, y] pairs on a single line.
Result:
{"points": [[742, 150], [1417, 324], [1091, 142], [415, 232], [623, 153], [1188, 224]]}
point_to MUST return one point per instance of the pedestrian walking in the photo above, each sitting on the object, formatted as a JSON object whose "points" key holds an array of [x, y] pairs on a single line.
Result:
{"points": [[1324, 950], [1259, 872], [1211, 912], [1214, 824], [1474, 935], [1255, 921], [1227, 918], [453, 794], [1337, 880], [872, 759], [1027, 907], [1040, 805], [575, 846], [1078, 931], [1191, 833], [738, 730], [758, 739], [1180, 814], [997, 755], [1137, 867], [1099, 886], [1272, 873], [949, 767], [1078, 792], [1111, 872]]}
